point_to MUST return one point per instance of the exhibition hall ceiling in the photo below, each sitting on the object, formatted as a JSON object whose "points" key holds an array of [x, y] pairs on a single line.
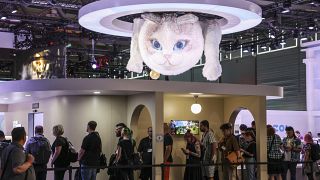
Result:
{"points": [[56, 21]]}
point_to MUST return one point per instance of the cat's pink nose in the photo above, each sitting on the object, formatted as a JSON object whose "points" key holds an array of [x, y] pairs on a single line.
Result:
{"points": [[167, 56]]}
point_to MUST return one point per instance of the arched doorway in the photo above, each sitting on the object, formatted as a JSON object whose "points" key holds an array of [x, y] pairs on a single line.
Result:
{"points": [[140, 122], [241, 116]]}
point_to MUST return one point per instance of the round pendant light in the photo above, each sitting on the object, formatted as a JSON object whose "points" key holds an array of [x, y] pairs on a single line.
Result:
{"points": [[196, 107]]}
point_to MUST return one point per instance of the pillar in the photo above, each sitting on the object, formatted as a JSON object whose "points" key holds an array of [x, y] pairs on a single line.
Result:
{"points": [[261, 138], [158, 134]]}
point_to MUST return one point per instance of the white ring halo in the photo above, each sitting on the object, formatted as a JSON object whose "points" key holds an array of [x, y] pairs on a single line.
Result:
{"points": [[101, 16]]}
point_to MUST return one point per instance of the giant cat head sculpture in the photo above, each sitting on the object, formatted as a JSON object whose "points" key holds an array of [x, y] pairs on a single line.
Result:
{"points": [[172, 45]]}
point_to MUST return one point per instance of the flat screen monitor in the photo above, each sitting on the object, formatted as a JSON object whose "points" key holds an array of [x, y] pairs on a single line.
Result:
{"points": [[180, 127]]}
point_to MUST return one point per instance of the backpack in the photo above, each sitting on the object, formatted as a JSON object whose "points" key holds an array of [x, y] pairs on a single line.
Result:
{"points": [[72, 152], [315, 152], [40, 149], [3, 145]]}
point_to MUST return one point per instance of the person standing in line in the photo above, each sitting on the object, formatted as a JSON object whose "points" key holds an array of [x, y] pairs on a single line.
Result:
{"points": [[311, 169], [275, 156], [89, 154], [298, 134], [209, 144], [292, 147], [193, 154], [118, 130], [15, 163], [124, 154], [60, 149], [3, 142], [250, 155], [227, 145], [39, 147], [240, 138], [145, 150], [167, 145]]}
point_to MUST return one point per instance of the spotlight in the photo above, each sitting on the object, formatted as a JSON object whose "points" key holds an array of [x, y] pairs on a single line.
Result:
{"points": [[285, 10], [304, 38], [94, 66], [96, 92], [245, 50], [3, 18], [14, 11], [253, 48], [27, 95], [311, 27], [263, 47]]}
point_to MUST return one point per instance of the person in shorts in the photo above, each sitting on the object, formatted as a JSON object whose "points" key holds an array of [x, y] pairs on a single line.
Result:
{"points": [[209, 144]]}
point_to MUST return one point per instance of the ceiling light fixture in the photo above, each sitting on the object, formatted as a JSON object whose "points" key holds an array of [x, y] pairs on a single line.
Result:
{"points": [[195, 107], [3, 18], [263, 47], [96, 92], [27, 95], [14, 11]]}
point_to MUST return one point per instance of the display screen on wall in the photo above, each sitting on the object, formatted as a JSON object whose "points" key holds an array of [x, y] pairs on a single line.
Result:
{"points": [[180, 127]]}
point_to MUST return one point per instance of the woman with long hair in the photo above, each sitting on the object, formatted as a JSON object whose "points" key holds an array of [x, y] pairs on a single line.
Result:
{"points": [[312, 167], [193, 154]]}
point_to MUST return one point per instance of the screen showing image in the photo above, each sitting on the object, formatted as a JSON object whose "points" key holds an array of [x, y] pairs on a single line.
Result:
{"points": [[180, 127]]}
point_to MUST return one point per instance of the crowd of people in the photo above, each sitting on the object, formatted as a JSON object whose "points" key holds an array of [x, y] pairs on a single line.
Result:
{"points": [[30, 163]]}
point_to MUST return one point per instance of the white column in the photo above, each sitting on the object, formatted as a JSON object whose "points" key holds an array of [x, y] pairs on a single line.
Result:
{"points": [[312, 62]]}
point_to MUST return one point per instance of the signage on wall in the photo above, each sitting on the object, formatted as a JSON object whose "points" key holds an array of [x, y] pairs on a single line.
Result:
{"points": [[279, 127], [35, 105]]}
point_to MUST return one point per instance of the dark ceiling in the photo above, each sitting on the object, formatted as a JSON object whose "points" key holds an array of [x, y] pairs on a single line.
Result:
{"points": [[55, 21]]}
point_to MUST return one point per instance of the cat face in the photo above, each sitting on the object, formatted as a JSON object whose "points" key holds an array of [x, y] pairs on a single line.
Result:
{"points": [[171, 47]]}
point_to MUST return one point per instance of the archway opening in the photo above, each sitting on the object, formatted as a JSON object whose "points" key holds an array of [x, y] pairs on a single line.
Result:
{"points": [[241, 116], [140, 122]]}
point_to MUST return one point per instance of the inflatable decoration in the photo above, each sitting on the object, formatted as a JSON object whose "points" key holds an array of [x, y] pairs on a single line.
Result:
{"points": [[166, 42], [172, 44]]}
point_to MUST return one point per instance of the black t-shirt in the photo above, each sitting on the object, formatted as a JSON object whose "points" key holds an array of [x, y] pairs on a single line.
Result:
{"points": [[167, 142], [251, 149], [126, 151], [145, 147], [61, 160], [92, 146]]}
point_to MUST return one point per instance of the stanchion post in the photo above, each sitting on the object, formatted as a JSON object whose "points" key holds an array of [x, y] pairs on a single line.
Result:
{"points": [[70, 172], [162, 171], [242, 177]]}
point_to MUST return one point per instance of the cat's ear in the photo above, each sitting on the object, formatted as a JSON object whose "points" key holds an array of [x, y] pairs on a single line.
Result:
{"points": [[187, 19], [135, 63], [151, 17], [212, 33]]}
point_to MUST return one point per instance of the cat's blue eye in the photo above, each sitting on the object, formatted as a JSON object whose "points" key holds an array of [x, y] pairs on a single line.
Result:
{"points": [[180, 45], [156, 45]]}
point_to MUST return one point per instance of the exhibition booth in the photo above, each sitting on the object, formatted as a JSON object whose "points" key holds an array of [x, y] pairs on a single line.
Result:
{"points": [[138, 103]]}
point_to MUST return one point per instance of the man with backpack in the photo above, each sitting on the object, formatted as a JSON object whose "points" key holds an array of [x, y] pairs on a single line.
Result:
{"points": [[15, 163], [3, 142], [89, 155], [39, 147], [312, 154]]}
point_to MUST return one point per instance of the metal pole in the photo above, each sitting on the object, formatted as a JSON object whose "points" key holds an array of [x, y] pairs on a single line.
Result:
{"points": [[162, 171], [70, 173]]}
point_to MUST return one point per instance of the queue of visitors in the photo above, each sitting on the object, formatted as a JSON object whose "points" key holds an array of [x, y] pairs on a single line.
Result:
{"points": [[30, 163]]}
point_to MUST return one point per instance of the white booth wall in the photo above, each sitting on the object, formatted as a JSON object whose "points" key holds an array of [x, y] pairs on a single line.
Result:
{"points": [[74, 112]]}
